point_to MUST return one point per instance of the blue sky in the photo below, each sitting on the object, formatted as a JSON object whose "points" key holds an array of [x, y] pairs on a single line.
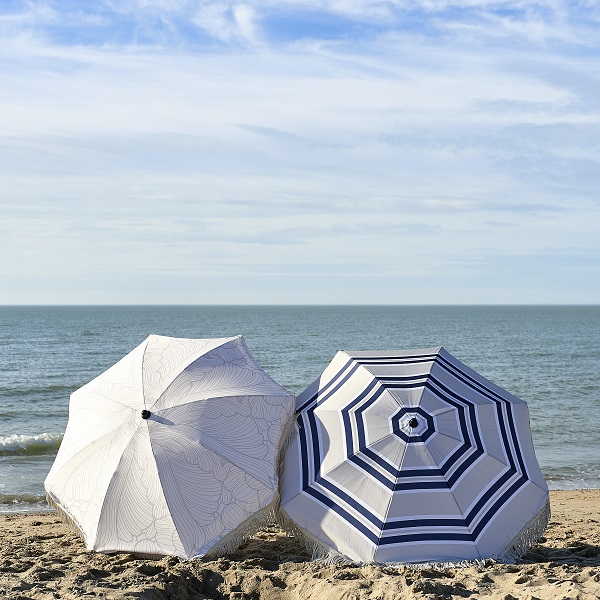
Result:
{"points": [[299, 152]]}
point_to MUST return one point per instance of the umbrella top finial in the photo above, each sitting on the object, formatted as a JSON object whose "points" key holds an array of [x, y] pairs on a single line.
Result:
{"points": [[146, 414]]}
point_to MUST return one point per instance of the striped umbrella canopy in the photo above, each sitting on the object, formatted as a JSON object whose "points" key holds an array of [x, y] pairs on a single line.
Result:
{"points": [[411, 456], [173, 450]]}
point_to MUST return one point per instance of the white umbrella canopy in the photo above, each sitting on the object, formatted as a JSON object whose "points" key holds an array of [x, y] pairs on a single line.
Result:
{"points": [[173, 450], [411, 457]]}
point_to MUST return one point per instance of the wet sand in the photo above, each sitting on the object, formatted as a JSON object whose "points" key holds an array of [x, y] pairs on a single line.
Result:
{"points": [[41, 558]]}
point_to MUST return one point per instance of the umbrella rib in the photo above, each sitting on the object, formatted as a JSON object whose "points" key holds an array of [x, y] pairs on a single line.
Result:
{"points": [[112, 477], [91, 398], [203, 352], [254, 369], [449, 489], [236, 395], [112, 431], [387, 510], [79, 452]]}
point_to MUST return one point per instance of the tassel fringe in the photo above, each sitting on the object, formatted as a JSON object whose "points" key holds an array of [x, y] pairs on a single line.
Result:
{"points": [[319, 551], [64, 516], [519, 546], [288, 435], [241, 534], [528, 536]]}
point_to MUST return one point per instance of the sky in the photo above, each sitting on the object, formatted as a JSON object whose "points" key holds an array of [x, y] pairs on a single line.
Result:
{"points": [[299, 152]]}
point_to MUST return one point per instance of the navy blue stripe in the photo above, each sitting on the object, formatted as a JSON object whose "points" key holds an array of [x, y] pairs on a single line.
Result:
{"points": [[397, 360], [382, 462], [303, 451], [472, 514], [426, 537], [335, 507], [371, 472], [322, 394], [395, 486], [346, 413], [493, 510], [449, 462], [420, 473], [312, 422], [460, 399], [469, 380], [392, 378], [497, 398], [504, 435], [515, 439], [457, 474], [420, 485], [376, 539], [431, 522], [360, 426], [407, 523], [390, 525], [348, 433], [348, 499]]}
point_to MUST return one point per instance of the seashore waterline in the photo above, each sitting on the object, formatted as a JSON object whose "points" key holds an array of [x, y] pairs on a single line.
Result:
{"points": [[547, 355]]}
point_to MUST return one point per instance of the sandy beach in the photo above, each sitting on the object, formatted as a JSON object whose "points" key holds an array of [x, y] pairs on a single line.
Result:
{"points": [[41, 558]]}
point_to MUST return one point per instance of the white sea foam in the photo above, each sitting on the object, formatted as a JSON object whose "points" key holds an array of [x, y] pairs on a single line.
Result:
{"points": [[43, 443]]}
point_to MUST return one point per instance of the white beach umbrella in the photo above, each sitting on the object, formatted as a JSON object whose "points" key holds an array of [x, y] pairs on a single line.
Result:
{"points": [[411, 456], [173, 450]]}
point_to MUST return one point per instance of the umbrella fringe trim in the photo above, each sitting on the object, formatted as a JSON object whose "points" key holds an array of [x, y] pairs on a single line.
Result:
{"points": [[458, 564], [288, 436], [319, 551], [64, 516], [241, 534], [528, 537]]}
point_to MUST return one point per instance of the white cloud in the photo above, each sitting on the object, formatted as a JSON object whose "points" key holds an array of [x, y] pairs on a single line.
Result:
{"points": [[226, 22], [395, 155], [245, 19]]}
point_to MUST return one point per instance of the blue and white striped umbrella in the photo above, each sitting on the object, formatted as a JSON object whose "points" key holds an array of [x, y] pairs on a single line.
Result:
{"points": [[411, 456]]}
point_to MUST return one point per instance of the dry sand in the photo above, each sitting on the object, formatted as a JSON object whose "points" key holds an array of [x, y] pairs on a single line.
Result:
{"points": [[40, 558]]}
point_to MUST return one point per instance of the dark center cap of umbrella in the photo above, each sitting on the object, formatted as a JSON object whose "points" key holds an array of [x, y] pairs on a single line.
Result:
{"points": [[413, 425], [146, 414]]}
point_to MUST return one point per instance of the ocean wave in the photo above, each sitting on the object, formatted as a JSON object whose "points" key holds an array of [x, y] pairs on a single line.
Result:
{"points": [[21, 499], [582, 476], [23, 503], [31, 445], [34, 392]]}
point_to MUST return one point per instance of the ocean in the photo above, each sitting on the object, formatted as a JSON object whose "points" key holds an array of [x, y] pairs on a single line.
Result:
{"points": [[547, 355]]}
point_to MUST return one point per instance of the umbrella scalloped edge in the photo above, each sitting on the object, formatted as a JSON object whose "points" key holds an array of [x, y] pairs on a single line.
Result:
{"points": [[322, 553], [528, 537]]}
